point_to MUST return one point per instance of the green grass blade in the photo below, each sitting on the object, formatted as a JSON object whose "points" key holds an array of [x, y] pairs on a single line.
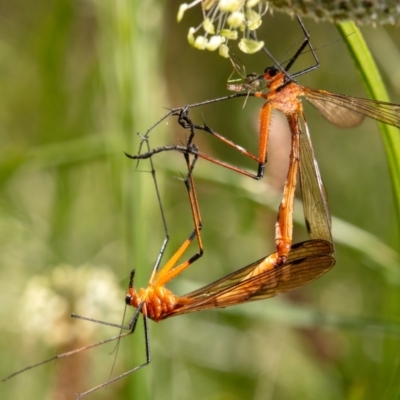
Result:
{"points": [[376, 89]]}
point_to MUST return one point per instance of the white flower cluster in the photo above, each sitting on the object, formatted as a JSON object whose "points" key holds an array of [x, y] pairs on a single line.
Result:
{"points": [[222, 19], [49, 300]]}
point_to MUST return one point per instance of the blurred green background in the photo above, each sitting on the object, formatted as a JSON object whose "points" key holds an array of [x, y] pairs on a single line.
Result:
{"points": [[78, 80]]}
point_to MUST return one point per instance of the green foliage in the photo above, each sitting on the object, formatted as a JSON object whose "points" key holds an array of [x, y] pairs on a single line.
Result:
{"points": [[78, 81]]}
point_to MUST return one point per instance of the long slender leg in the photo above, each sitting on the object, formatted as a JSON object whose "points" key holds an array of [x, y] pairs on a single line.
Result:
{"points": [[265, 119], [169, 271], [147, 362], [186, 123], [265, 123], [302, 47], [284, 223]]}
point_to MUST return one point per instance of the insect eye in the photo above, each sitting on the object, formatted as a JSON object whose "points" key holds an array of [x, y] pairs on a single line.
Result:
{"points": [[128, 299], [271, 71]]}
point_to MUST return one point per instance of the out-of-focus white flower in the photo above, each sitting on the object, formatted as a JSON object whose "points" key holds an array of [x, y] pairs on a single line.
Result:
{"points": [[200, 43], [182, 8], [236, 19], [49, 300], [253, 20], [252, 3], [215, 42], [233, 35], [208, 26], [222, 19], [230, 5], [250, 46], [191, 37], [224, 51]]}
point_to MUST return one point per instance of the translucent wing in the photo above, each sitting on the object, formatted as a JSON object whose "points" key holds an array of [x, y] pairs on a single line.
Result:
{"points": [[315, 203], [346, 111], [306, 262]]}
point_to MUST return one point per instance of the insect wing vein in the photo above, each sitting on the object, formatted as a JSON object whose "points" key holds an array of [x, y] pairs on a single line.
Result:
{"points": [[333, 107], [306, 262], [315, 203]]}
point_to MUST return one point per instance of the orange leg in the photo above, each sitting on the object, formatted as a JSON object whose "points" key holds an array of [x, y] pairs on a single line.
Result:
{"points": [[284, 223], [170, 271], [186, 123], [265, 121], [156, 300]]}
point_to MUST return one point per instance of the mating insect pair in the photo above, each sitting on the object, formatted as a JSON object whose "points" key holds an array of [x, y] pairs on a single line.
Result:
{"points": [[290, 266], [262, 279]]}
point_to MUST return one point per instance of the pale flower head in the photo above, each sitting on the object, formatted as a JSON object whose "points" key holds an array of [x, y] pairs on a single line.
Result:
{"points": [[222, 21]]}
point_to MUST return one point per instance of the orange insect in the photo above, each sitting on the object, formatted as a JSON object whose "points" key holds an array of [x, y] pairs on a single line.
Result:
{"points": [[283, 94], [262, 279]]}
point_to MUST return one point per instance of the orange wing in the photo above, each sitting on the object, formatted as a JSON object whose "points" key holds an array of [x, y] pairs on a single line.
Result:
{"points": [[306, 262]]}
